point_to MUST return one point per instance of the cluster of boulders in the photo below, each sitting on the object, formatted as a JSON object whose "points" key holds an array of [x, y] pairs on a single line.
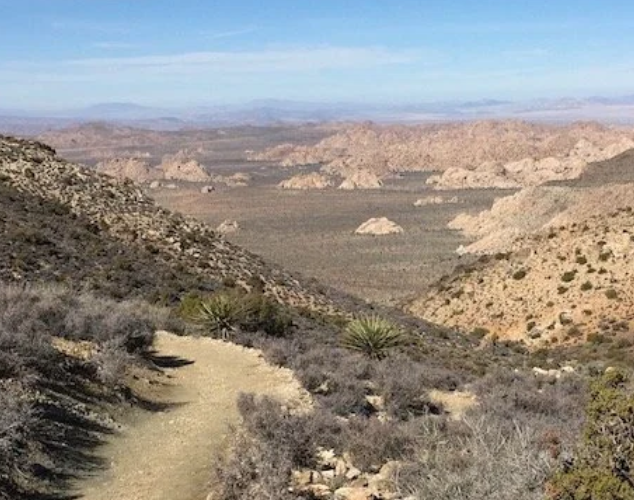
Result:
{"points": [[353, 179], [529, 171], [482, 146], [337, 477]]}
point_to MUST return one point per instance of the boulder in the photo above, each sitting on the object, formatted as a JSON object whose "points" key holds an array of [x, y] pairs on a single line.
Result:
{"points": [[307, 181], [228, 226], [379, 226]]}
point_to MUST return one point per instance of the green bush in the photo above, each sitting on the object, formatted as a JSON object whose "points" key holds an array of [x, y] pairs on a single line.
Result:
{"points": [[224, 313], [373, 336], [601, 471]]}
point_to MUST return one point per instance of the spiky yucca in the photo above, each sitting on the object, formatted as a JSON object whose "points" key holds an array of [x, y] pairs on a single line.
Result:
{"points": [[220, 314], [372, 335]]}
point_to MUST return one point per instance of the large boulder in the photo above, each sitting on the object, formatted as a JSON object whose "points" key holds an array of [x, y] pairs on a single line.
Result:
{"points": [[180, 167], [379, 226], [307, 181], [135, 169], [361, 179]]}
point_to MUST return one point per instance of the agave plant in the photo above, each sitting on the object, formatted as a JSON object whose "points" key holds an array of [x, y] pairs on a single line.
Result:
{"points": [[220, 315], [372, 335]]}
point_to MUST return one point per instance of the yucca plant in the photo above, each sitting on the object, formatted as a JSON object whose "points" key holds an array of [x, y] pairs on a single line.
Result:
{"points": [[372, 335], [220, 314]]}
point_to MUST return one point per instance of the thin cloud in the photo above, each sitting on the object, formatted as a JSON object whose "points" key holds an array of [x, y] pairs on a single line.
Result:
{"points": [[298, 59]]}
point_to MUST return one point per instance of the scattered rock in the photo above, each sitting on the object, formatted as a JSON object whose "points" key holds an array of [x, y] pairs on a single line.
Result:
{"points": [[435, 200], [228, 226], [207, 189]]}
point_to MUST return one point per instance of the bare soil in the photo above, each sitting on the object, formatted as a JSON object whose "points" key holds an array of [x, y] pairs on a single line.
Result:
{"points": [[163, 455], [312, 232]]}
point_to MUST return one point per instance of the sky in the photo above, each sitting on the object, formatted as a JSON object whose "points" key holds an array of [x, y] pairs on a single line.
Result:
{"points": [[74, 53]]}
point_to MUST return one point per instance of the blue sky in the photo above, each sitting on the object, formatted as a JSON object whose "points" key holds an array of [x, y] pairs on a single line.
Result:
{"points": [[71, 53]]}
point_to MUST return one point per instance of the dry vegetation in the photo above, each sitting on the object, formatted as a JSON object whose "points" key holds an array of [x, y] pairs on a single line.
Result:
{"points": [[371, 379], [60, 353]]}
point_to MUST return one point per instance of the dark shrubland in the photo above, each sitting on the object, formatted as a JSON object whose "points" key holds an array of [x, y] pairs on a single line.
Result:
{"points": [[43, 383]]}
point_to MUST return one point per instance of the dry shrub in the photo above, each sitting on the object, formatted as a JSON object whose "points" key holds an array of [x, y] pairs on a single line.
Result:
{"points": [[476, 460]]}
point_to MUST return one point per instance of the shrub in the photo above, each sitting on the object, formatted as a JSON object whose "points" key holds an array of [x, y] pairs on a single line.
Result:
{"points": [[586, 286], [601, 470], [611, 294], [373, 336], [518, 275], [220, 314], [568, 276]]}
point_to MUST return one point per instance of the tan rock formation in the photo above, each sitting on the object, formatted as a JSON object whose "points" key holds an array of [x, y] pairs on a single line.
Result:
{"points": [[379, 226], [228, 226], [530, 171], [557, 286], [435, 200], [181, 167], [135, 169], [307, 181], [440, 147], [361, 179], [533, 209]]}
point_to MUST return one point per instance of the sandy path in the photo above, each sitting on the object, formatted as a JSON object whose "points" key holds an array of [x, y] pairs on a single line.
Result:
{"points": [[166, 455]]}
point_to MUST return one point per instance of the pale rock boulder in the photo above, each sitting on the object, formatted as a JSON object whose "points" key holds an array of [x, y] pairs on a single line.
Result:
{"points": [[307, 181], [379, 226], [435, 200], [228, 227], [135, 169], [361, 179], [181, 167]]}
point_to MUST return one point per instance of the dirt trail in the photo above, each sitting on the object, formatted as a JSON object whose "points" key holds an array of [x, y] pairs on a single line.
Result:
{"points": [[166, 455]]}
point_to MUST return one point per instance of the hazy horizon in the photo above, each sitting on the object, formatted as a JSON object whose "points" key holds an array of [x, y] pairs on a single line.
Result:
{"points": [[72, 54]]}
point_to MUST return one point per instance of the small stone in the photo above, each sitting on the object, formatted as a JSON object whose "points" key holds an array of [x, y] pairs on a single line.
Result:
{"points": [[353, 494], [353, 473]]}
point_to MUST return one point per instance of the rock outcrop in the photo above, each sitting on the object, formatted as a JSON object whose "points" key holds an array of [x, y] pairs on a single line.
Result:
{"points": [[181, 167], [228, 226], [379, 226], [361, 179], [562, 284], [135, 169], [529, 171], [533, 209], [383, 149], [307, 181]]}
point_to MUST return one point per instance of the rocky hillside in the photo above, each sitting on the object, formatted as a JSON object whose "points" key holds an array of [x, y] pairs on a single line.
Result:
{"points": [[559, 285], [602, 188], [464, 146], [121, 211]]}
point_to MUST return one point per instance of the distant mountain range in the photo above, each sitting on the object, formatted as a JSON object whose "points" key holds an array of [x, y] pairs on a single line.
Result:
{"points": [[275, 111]]}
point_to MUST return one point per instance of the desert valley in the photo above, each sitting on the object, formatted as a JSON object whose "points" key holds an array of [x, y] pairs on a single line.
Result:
{"points": [[328, 250], [416, 291]]}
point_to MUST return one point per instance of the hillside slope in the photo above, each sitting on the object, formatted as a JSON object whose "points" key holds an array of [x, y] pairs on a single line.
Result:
{"points": [[559, 285], [121, 211]]}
